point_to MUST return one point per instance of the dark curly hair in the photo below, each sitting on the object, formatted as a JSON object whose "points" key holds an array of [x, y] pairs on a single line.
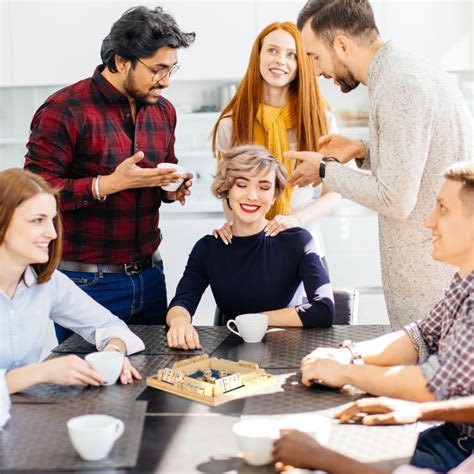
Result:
{"points": [[139, 32]]}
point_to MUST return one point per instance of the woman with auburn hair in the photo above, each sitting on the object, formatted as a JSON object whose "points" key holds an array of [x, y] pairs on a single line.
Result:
{"points": [[32, 292], [256, 274], [278, 105]]}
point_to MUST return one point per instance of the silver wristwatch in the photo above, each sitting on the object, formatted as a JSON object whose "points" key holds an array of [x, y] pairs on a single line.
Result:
{"points": [[352, 347]]}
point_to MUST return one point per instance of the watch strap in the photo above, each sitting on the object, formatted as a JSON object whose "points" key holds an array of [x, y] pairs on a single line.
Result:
{"points": [[352, 348], [322, 165]]}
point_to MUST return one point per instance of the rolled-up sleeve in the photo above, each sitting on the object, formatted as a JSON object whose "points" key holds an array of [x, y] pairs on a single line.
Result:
{"points": [[453, 375], [416, 337], [76, 310], [319, 311]]}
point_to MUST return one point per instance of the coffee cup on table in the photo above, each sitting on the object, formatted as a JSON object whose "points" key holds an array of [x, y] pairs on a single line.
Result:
{"points": [[172, 187], [250, 327], [107, 364], [255, 438], [93, 436]]}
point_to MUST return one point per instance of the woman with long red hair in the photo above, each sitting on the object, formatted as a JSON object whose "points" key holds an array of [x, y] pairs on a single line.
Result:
{"points": [[278, 105]]}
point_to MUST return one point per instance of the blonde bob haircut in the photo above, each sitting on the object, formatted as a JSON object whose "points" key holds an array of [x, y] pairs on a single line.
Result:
{"points": [[16, 187], [247, 160], [307, 103]]}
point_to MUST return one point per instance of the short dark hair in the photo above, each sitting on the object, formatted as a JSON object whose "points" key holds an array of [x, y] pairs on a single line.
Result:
{"points": [[354, 17], [463, 172], [139, 32]]}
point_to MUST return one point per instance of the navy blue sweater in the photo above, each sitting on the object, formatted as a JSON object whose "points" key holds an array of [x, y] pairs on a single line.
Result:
{"points": [[255, 274]]}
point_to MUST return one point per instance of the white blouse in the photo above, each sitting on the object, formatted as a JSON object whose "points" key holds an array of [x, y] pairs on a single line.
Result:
{"points": [[24, 319]]}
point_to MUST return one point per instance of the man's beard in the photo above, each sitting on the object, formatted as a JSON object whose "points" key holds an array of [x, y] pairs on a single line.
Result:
{"points": [[344, 76], [135, 94]]}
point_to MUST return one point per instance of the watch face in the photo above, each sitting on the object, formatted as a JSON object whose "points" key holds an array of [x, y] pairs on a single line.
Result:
{"points": [[322, 169]]}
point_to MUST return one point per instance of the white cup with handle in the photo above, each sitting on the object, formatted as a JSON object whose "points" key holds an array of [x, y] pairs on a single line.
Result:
{"points": [[107, 363], [255, 438], [250, 327], [172, 187], [94, 436]]}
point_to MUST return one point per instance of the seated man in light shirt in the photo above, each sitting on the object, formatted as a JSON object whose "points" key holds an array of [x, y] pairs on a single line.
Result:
{"points": [[432, 358], [301, 450], [32, 292]]}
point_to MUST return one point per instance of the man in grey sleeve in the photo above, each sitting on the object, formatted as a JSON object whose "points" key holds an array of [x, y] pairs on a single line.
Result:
{"points": [[419, 125], [432, 358]]}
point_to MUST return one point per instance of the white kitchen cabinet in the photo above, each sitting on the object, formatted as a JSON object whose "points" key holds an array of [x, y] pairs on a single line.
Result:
{"points": [[438, 31], [58, 42], [5, 46], [225, 31], [180, 232], [269, 11]]}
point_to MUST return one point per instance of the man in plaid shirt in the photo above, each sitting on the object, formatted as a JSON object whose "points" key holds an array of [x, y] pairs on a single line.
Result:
{"points": [[433, 358], [100, 141]]}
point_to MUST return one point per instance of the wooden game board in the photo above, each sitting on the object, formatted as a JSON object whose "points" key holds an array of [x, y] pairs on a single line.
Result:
{"points": [[211, 381]]}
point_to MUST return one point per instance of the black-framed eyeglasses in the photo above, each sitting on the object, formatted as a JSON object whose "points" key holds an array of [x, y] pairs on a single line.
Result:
{"points": [[161, 72]]}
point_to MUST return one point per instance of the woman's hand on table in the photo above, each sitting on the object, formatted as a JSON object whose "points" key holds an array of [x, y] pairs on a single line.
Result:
{"points": [[225, 233], [280, 223], [182, 334], [380, 411], [69, 370], [128, 372]]}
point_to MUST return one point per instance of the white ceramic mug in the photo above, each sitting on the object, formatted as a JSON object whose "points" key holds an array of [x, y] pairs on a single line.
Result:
{"points": [[250, 327], [317, 426], [93, 436], [255, 437], [108, 364], [180, 169]]}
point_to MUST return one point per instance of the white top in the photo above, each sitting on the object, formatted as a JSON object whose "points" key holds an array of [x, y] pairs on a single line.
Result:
{"points": [[5, 402], [303, 196], [24, 319]]}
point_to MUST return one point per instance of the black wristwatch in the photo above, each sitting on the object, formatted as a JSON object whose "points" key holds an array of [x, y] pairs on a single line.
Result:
{"points": [[322, 165]]}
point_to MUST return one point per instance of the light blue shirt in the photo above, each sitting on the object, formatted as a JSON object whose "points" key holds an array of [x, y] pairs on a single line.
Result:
{"points": [[24, 319]]}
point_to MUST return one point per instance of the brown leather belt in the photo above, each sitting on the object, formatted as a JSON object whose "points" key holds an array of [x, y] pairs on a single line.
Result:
{"points": [[132, 268]]}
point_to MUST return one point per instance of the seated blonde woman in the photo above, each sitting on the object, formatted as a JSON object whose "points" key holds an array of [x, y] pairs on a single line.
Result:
{"points": [[32, 292], [257, 273]]}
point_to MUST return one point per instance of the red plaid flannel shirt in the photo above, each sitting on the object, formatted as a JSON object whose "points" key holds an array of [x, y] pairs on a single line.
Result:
{"points": [[445, 343], [84, 130]]}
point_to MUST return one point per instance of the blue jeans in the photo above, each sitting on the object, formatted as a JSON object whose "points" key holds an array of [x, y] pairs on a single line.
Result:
{"points": [[442, 448], [137, 299]]}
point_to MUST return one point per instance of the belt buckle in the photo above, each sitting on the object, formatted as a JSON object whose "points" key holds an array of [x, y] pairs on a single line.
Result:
{"points": [[133, 268]]}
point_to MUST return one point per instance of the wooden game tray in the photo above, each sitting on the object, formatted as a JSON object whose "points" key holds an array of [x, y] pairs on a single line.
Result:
{"points": [[238, 380]]}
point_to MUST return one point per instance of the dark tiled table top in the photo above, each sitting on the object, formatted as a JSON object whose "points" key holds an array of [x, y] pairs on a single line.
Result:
{"points": [[155, 341], [173, 422]]}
